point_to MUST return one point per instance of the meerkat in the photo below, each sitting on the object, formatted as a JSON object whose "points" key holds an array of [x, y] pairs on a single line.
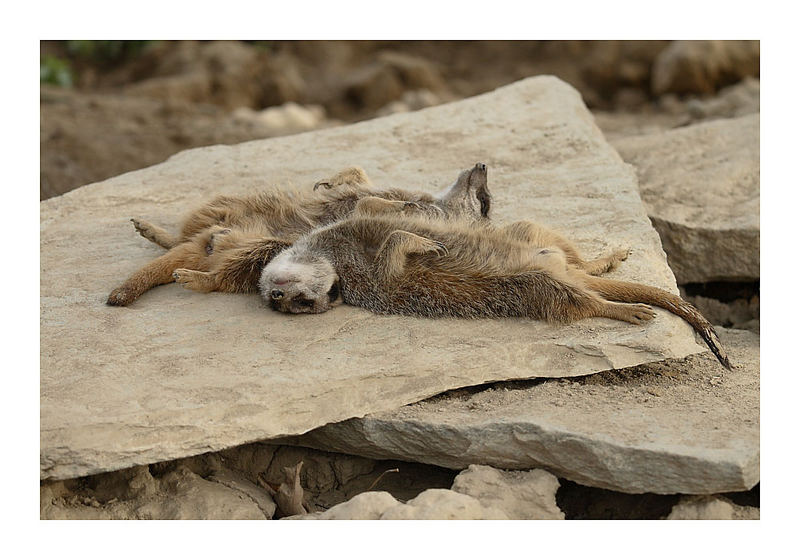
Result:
{"points": [[415, 266], [228, 241]]}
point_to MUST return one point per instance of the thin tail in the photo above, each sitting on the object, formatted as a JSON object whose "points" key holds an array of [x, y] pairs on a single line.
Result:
{"points": [[630, 292]]}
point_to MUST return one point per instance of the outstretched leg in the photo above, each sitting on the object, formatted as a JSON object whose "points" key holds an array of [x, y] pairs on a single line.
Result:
{"points": [[377, 206], [561, 298], [153, 233], [539, 236], [391, 257], [156, 272]]}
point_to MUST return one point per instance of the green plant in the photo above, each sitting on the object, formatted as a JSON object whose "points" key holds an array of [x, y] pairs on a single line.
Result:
{"points": [[55, 71], [105, 51]]}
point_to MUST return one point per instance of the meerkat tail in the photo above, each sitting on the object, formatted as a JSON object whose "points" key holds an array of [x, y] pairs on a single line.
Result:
{"points": [[630, 292]]}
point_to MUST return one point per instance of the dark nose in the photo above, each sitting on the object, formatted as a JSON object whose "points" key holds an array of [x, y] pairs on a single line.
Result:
{"points": [[276, 294], [481, 166]]}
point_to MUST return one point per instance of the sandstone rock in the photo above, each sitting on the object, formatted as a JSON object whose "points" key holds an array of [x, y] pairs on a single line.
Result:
{"points": [[229, 74], [704, 66], [737, 100], [519, 494], [711, 507], [701, 188], [180, 373], [367, 505], [479, 492], [375, 85], [740, 313], [611, 66], [284, 119], [137, 494], [411, 101], [438, 503], [682, 427]]}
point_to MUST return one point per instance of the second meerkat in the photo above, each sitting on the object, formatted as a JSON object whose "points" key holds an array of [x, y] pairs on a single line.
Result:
{"points": [[414, 266], [227, 242]]}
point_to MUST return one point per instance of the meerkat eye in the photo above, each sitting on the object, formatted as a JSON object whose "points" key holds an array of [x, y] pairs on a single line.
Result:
{"points": [[333, 293], [303, 302]]}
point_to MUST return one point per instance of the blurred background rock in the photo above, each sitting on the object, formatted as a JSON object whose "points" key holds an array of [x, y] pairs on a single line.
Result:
{"points": [[108, 107]]}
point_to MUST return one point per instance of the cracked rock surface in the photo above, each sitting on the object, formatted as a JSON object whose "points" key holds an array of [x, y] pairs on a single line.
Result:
{"points": [[180, 373], [679, 427], [701, 186]]}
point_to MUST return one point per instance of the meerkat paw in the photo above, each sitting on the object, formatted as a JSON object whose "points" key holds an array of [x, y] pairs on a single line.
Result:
{"points": [[618, 256], [636, 313], [120, 297], [622, 254], [143, 228], [194, 280], [411, 206], [433, 246], [349, 176], [212, 240]]}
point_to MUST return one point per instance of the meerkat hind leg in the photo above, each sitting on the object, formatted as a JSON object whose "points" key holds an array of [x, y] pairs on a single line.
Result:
{"points": [[528, 232], [636, 313], [156, 272], [153, 233], [391, 257]]}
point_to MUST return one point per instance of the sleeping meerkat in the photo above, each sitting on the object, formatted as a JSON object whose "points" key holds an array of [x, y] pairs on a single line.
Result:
{"points": [[413, 266], [228, 241]]}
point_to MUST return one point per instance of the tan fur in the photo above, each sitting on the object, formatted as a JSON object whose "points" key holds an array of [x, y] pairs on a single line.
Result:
{"points": [[417, 266], [223, 245]]}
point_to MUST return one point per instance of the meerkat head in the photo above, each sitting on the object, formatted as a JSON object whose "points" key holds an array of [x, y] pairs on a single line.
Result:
{"points": [[469, 196], [296, 281]]}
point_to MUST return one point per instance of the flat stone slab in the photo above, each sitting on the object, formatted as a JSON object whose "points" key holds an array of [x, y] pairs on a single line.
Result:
{"points": [[180, 373], [684, 426], [701, 187]]}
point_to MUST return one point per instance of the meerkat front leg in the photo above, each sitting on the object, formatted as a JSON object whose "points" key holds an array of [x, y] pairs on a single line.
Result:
{"points": [[605, 264], [153, 233], [196, 280], [355, 176], [391, 257], [233, 268], [377, 206]]}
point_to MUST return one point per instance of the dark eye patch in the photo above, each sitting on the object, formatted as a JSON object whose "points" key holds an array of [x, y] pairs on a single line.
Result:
{"points": [[304, 302], [333, 293], [486, 202]]}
